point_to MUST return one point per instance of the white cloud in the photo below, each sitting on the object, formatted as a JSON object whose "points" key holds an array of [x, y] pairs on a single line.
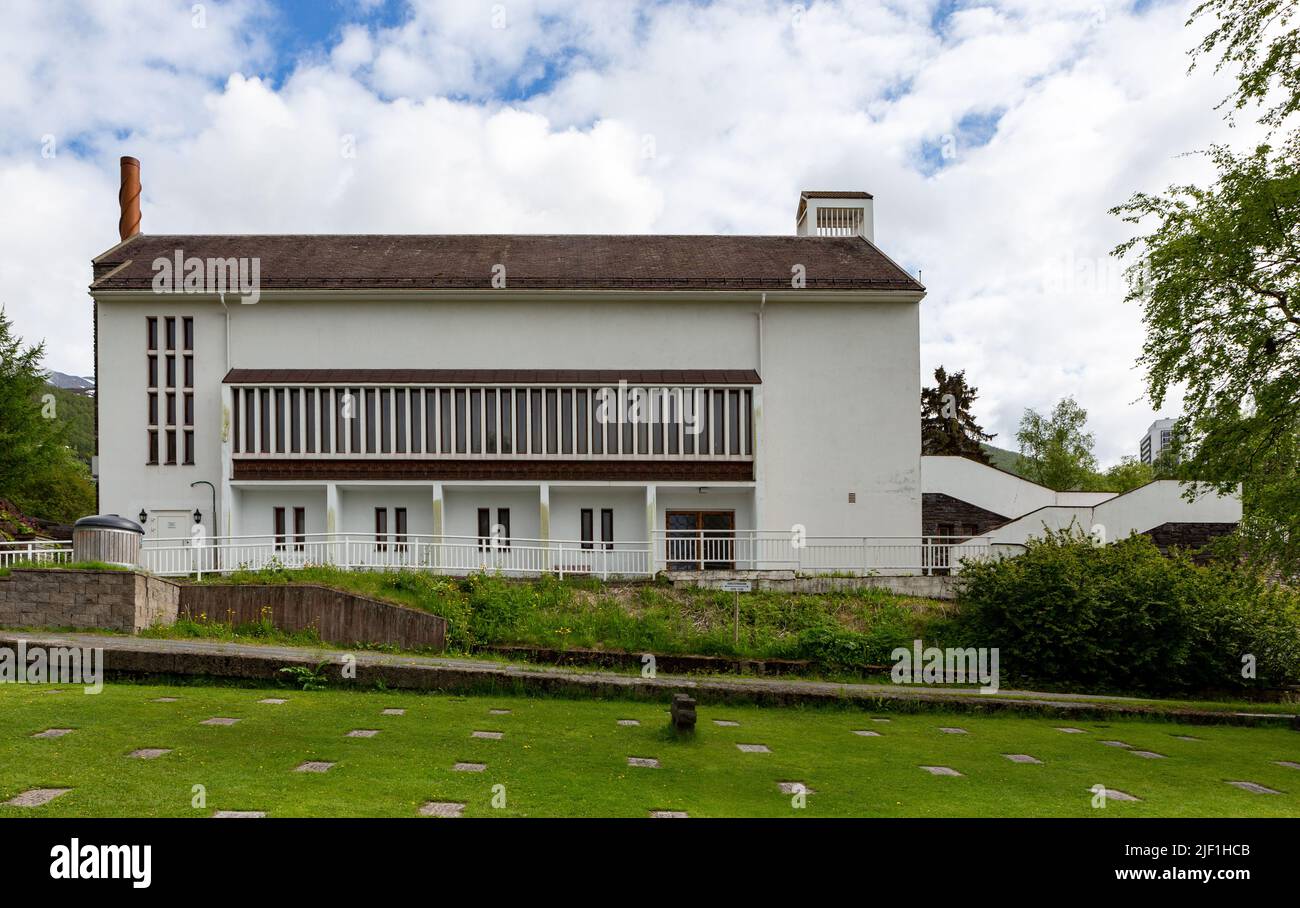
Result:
{"points": [[650, 117]]}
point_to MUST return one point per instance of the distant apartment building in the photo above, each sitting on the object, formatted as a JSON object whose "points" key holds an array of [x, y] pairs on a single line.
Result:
{"points": [[1159, 436]]}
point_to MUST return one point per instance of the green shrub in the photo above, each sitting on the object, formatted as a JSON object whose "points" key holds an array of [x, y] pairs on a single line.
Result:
{"points": [[1124, 617]]}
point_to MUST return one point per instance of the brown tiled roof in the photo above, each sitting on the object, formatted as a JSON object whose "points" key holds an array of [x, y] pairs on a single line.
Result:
{"points": [[533, 470], [532, 261], [494, 376]]}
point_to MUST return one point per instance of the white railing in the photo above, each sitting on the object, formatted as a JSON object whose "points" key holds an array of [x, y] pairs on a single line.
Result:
{"points": [[36, 552], [782, 550], [676, 550]]}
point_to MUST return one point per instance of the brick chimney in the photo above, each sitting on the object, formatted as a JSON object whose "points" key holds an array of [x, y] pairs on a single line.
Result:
{"points": [[128, 199]]}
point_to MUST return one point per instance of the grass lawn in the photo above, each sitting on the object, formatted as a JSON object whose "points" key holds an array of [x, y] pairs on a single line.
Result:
{"points": [[569, 758]]}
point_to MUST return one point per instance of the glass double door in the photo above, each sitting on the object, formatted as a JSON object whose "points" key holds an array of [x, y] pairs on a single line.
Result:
{"points": [[700, 540]]}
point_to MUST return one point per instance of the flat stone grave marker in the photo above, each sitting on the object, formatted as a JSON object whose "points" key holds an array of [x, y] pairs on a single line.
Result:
{"points": [[726, 723], [274, 701], [941, 770], [498, 712], [1188, 738], [790, 788], [149, 753], [53, 733], [447, 809], [1022, 758], [875, 719], [753, 748], [362, 733], [1072, 731], [57, 690], [1147, 754], [864, 733], [239, 814], [1114, 794], [1118, 744], [1254, 787], [314, 766], [489, 735], [165, 699], [219, 720], [647, 762], [1287, 763], [37, 797], [669, 814], [953, 731], [628, 722], [393, 712], [469, 767]]}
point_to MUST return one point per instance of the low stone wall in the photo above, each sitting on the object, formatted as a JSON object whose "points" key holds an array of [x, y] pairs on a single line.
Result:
{"points": [[338, 617], [115, 600], [943, 587], [131, 602]]}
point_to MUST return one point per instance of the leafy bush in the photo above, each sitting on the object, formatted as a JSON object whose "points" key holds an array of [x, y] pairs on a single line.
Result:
{"points": [[1125, 617]]}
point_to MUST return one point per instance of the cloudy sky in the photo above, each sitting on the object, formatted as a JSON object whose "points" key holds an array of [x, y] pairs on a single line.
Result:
{"points": [[994, 135]]}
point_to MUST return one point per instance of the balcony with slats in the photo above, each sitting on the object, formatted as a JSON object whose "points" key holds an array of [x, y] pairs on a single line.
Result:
{"points": [[558, 420]]}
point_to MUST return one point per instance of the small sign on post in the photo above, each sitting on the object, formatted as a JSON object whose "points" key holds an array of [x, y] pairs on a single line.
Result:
{"points": [[737, 587]]}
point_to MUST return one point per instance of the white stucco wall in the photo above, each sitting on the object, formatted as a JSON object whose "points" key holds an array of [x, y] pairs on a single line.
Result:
{"points": [[838, 400]]}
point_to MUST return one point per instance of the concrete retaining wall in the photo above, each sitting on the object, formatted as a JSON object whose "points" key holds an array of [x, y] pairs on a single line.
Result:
{"points": [[114, 600], [338, 617], [788, 581], [130, 602]]}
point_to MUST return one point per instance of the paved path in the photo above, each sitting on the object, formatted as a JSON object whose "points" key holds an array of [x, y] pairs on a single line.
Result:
{"points": [[242, 660]]}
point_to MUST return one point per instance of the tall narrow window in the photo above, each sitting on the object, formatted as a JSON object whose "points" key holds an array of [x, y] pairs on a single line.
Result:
{"points": [[588, 529], [189, 447], [171, 409], [171, 371], [171, 332], [607, 527], [279, 529], [153, 447], [381, 529], [188, 332], [503, 522], [151, 333], [399, 519], [171, 446], [299, 529], [484, 528], [152, 363], [189, 372]]}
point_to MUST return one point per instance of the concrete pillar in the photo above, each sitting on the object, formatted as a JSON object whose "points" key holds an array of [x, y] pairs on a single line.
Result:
{"points": [[544, 520], [651, 522], [760, 469], [437, 501]]}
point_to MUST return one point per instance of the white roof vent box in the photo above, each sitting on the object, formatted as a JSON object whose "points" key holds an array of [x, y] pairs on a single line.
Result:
{"points": [[835, 213]]}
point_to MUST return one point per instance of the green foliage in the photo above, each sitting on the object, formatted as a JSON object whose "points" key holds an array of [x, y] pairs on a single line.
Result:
{"points": [[1268, 69], [838, 630], [1130, 473], [947, 425], [307, 678], [1123, 617], [1219, 283], [38, 472], [1056, 450], [76, 413]]}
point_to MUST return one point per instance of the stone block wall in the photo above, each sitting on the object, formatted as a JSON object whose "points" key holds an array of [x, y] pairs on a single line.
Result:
{"points": [[114, 600]]}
